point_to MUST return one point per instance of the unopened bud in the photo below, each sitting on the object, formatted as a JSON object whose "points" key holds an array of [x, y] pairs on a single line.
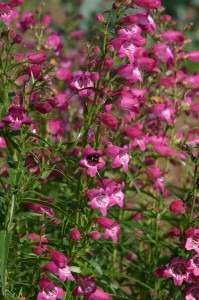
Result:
{"points": [[75, 235], [99, 18]]}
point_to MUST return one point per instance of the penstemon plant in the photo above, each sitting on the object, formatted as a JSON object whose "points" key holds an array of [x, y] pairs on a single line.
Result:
{"points": [[99, 155]]}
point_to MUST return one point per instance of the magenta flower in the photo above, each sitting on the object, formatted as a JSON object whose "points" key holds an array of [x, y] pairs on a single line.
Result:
{"points": [[111, 228], [172, 36], [163, 150], [49, 290], [192, 55], [192, 292], [27, 21], [99, 199], [192, 242], [40, 209], [36, 57], [124, 48], [59, 266], [100, 295], [86, 287], [6, 13], [119, 156], [193, 265], [129, 73], [146, 22], [80, 82], [117, 196], [177, 269], [53, 42], [162, 52], [130, 30], [126, 101], [92, 160], [16, 115], [148, 4], [108, 120]]}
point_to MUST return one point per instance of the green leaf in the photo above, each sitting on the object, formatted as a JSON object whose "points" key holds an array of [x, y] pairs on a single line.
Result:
{"points": [[97, 267], [130, 176], [46, 173], [4, 250]]}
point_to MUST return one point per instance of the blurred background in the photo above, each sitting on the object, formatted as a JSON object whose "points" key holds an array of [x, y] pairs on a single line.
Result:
{"points": [[183, 11]]}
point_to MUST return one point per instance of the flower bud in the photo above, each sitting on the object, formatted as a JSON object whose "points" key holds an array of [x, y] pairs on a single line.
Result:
{"points": [[75, 235], [36, 57], [18, 39], [99, 18], [176, 206], [94, 235]]}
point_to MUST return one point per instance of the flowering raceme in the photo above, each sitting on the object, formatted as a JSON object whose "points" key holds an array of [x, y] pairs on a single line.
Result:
{"points": [[99, 153]]}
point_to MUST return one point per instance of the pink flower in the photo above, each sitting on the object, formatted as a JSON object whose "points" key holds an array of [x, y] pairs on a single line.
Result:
{"points": [[27, 21], [172, 36], [86, 287], [193, 265], [15, 3], [192, 292], [119, 156], [162, 52], [99, 199], [92, 160], [124, 48], [108, 120], [129, 73], [192, 55], [100, 295], [176, 206], [16, 115], [59, 266], [145, 22], [80, 82], [41, 209], [53, 42], [111, 228], [49, 290], [36, 57], [126, 101], [192, 241], [177, 269], [163, 150], [148, 4], [117, 196]]}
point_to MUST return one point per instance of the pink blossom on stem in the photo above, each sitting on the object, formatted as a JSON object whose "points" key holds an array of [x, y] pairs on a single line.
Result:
{"points": [[59, 266], [16, 115], [80, 82], [100, 295], [99, 199], [148, 4], [177, 269], [92, 160], [86, 287], [49, 290], [119, 156], [192, 292], [111, 228], [192, 242], [193, 265]]}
